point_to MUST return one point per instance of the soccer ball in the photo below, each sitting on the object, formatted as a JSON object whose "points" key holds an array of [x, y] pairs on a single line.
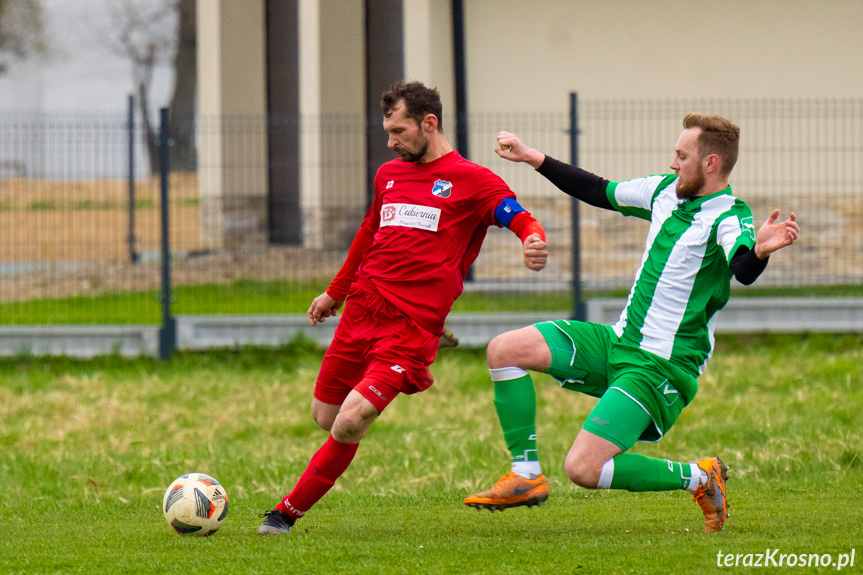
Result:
{"points": [[195, 504]]}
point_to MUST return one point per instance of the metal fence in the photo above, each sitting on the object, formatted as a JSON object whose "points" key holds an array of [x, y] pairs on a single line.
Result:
{"points": [[80, 236], [802, 156]]}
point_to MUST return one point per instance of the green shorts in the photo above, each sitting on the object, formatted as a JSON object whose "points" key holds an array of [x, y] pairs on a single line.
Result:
{"points": [[579, 354], [619, 419], [639, 392]]}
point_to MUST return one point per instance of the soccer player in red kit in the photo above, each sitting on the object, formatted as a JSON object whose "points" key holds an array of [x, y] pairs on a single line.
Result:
{"points": [[403, 272]]}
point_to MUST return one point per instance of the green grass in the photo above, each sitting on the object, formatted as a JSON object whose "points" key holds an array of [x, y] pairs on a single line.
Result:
{"points": [[485, 302], [41, 205], [841, 290], [288, 297], [242, 297], [140, 203], [87, 448]]}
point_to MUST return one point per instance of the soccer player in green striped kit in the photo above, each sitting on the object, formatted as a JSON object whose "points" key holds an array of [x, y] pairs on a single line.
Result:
{"points": [[644, 369]]}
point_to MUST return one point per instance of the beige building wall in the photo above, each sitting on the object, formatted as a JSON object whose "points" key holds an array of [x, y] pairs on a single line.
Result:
{"points": [[232, 154], [332, 92], [526, 57], [332, 96], [529, 55], [523, 57], [428, 51]]}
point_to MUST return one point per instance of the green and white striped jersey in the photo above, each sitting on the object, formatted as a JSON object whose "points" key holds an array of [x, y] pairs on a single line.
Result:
{"points": [[684, 278]]}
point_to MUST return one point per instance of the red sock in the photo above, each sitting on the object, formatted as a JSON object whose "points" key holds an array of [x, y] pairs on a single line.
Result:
{"points": [[326, 466]]}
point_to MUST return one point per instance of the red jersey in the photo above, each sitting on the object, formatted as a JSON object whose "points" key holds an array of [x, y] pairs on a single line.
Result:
{"points": [[429, 221]]}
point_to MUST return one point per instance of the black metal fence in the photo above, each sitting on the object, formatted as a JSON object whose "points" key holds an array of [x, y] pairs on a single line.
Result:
{"points": [[260, 229]]}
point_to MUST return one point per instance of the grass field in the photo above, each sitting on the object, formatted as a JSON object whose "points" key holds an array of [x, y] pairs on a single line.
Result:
{"points": [[88, 447]]}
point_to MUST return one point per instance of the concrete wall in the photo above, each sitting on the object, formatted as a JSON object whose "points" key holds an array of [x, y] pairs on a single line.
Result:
{"points": [[742, 315], [232, 111], [332, 104], [429, 51], [529, 55], [523, 56]]}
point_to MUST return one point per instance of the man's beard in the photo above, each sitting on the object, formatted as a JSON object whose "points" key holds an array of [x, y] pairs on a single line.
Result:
{"points": [[418, 155], [688, 189]]}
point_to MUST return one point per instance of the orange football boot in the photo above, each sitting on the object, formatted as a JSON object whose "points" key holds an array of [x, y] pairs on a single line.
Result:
{"points": [[711, 497], [510, 491]]}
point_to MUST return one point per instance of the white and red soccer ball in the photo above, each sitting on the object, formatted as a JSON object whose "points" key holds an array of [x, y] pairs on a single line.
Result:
{"points": [[195, 504]]}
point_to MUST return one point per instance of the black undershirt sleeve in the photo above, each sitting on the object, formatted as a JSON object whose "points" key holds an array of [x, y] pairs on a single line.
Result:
{"points": [[578, 183], [590, 189], [746, 266]]}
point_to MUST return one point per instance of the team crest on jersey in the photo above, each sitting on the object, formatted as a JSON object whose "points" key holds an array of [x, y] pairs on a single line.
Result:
{"points": [[442, 188]]}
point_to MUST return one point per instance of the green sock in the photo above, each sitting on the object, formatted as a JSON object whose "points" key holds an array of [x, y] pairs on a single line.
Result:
{"points": [[515, 402], [634, 472]]}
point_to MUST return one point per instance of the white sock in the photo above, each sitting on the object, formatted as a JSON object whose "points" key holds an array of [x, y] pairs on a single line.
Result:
{"points": [[606, 475], [697, 477], [527, 469]]}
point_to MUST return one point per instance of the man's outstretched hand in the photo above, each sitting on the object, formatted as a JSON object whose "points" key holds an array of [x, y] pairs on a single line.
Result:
{"points": [[775, 235]]}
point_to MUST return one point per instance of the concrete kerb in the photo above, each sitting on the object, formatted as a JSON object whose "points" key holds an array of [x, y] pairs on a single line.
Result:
{"points": [[82, 341], [200, 332]]}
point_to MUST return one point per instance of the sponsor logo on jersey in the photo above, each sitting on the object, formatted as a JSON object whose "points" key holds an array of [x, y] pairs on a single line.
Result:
{"points": [[390, 184], [397, 368], [442, 188], [410, 216], [598, 421], [388, 214]]}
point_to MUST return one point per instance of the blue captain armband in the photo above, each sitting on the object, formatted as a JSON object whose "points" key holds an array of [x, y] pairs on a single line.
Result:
{"points": [[506, 211]]}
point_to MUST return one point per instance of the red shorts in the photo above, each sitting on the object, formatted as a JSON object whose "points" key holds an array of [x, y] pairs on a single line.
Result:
{"points": [[377, 350]]}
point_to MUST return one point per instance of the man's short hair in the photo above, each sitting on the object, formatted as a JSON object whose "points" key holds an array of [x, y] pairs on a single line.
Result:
{"points": [[419, 101], [718, 136]]}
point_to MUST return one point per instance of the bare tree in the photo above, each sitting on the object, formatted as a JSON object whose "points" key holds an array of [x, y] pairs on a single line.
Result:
{"points": [[144, 32], [22, 31]]}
